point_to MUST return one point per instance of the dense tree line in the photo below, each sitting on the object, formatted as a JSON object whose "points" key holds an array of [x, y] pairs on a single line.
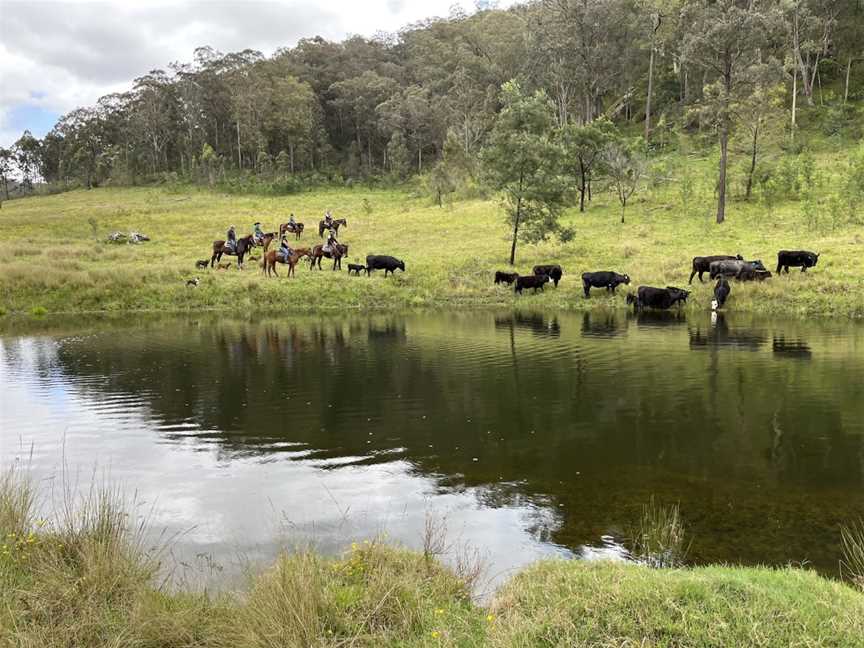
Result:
{"points": [[429, 98]]}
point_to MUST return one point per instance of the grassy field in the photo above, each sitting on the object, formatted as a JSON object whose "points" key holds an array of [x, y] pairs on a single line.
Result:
{"points": [[86, 578], [54, 258]]}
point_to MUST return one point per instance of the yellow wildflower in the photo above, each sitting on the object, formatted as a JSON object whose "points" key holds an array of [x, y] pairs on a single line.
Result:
{"points": [[435, 634]]}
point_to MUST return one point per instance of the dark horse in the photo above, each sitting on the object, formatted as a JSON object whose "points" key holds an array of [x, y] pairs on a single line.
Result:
{"points": [[336, 255], [296, 228], [243, 246], [334, 226]]}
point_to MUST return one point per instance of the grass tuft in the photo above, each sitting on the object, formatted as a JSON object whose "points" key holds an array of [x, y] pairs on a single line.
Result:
{"points": [[660, 540], [853, 552]]}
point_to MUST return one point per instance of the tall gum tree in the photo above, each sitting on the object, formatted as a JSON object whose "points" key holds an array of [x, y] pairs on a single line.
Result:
{"points": [[728, 40]]}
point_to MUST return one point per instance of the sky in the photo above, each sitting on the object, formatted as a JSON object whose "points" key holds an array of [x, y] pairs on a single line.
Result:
{"points": [[58, 55]]}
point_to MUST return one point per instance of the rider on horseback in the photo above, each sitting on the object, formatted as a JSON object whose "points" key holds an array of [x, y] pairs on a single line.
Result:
{"points": [[328, 218], [291, 222], [258, 234], [284, 250], [231, 239], [331, 243]]}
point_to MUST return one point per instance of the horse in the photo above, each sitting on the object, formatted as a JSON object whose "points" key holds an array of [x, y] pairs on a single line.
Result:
{"points": [[318, 252], [333, 227], [296, 228], [243, 246], [268, 265], [266, 240]]}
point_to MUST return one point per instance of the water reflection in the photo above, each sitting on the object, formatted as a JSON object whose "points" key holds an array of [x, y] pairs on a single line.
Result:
{"points": [[533, 433]]}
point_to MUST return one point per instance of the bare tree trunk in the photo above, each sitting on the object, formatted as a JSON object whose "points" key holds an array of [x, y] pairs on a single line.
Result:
{"points": [[752, 162], [721, 180], [582, 187], [650, 88], [515, 231], [848, 71], [794, 96], [291, 156], [239, 155]]}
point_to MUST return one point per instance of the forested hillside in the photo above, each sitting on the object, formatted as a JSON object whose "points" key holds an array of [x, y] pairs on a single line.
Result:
{"points": [[397, 103]]}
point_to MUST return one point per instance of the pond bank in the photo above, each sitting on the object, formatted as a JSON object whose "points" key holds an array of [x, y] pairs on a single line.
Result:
{"points": [[87, 580]]}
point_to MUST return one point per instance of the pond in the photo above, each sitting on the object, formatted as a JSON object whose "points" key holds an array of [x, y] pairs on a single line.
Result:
{"points": [[528, 434]]}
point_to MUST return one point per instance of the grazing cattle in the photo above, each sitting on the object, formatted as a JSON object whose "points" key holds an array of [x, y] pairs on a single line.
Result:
{"points": [[794, 258], [554, 272], [721, 293], [753, 274], [356, 268], [733, 268], [506, 277], [383, 262], [531, 281], [608, 280], [703, 264], [662, 298]]}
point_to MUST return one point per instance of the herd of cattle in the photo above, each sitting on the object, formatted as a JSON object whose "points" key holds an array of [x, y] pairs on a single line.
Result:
{"points": [[719, 267]]}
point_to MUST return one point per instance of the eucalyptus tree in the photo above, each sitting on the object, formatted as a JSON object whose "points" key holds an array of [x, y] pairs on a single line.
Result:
{"points": [[582, 148], [728, 39], [521, 162]]}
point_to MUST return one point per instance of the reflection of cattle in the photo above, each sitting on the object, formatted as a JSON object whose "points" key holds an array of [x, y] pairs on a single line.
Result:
{"points": [[537, 323], [531, 281], [554, 271], [794, 258], [790, 348], [719, 334], [505, 277], [703, 264], [600, 324], [659, 318], [660, 298], [604, 279], [733, 268]]}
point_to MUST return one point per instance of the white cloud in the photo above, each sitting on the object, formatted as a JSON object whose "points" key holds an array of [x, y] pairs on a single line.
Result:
{"points": [[59, 55]]}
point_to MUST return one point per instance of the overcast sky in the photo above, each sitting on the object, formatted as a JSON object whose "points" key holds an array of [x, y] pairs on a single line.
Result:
{"points": [[57, 55]]}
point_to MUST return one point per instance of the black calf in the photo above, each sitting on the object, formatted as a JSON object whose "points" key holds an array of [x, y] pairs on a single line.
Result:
{"points": [[531, 281], [608, 280], [505, 277], [721, 293], [356, 268]]}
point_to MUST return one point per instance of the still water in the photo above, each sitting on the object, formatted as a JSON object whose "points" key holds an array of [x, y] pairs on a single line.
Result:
{"points": [[530, 434]]}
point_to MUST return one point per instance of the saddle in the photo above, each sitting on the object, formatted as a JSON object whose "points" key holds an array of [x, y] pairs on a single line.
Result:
{"points": [[282, 257], [231, 247]]}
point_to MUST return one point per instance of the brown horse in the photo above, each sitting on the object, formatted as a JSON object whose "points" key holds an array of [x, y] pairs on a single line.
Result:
{"points": [[266, 240], [333, 227], [318, 252], [272, 258], [296, 228], [243, 246]]}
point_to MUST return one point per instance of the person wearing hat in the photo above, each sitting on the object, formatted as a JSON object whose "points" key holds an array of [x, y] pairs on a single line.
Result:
{"points": [[258, 234], [328, 218], [285, 250], [231, 239]]}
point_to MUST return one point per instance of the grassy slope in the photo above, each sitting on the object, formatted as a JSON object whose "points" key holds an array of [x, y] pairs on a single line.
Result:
{"points": [[49, 258]]}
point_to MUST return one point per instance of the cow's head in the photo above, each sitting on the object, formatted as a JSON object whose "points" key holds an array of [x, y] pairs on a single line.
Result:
{"points": [[401, 265], [625, 279], [739, 257], [631, 298], [757, 264]]}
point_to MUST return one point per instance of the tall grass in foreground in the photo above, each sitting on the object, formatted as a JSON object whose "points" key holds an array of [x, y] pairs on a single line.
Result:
{"points": [[87, 581], [853, 552], [660, 539]]}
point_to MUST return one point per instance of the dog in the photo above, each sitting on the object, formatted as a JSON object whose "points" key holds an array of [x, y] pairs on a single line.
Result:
{"points": [[224, 265], [201, 264], [192, 283]]}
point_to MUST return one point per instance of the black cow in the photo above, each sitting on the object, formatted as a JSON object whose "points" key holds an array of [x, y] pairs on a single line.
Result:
{"points": [[356, 268], [794, 258], [721, 293], [531, 281], [703, 264], [554, 271], [505, 277], [604, 279], [753, 274], [383, 262], [662, 298], [734, 268]]}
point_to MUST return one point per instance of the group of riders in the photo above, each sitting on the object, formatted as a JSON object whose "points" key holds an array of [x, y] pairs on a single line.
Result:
{"points": [[285, 250]]}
